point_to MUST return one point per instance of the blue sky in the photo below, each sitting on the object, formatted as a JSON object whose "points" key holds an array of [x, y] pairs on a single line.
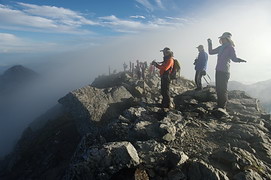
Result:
{"points": [[34, 29], [54, 21]]}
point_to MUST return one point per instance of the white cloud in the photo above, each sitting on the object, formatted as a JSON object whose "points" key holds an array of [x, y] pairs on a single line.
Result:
{"points": [[160, 4], [51, 19], [123, 25], [132, 26], [6, 37], [138, 17], [42, 18], [63, 15], [151, 5], [146, 4], [11, 43]]}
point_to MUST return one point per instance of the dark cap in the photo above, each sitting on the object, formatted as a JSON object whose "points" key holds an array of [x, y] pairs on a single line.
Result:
{"points": [[165, 49]]}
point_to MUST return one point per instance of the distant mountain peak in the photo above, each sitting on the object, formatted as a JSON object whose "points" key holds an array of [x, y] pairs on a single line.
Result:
{"points": [[19, 70], [16, 76]]}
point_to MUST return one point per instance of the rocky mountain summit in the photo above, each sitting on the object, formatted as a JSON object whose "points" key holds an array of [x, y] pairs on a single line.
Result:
{"points": [[115, 129]]}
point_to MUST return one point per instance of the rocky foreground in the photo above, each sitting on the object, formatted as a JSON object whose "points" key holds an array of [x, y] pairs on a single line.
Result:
{"points": [[115, 129]]}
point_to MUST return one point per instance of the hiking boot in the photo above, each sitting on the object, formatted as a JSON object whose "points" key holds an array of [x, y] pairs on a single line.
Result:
{"points": [[220, 112]]}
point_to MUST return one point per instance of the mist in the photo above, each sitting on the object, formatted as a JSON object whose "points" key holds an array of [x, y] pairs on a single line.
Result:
{"points": [[61, 72]]}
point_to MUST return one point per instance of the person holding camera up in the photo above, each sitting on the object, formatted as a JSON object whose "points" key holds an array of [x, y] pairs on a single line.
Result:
{"points": [[200, 66], [225, 53], [165, 68]]}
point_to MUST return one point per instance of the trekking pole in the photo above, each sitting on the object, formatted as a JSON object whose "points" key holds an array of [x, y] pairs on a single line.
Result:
{"points": [[206, 79]]}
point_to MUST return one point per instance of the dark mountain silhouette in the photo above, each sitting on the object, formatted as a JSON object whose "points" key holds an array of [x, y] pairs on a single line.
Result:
{"points": [[115, 129], [15, 83], [16, 77]]}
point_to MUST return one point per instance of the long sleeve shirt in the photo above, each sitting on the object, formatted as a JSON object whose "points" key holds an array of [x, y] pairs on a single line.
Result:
{"points": [[166, 65], [201, 62], [225, 53]]}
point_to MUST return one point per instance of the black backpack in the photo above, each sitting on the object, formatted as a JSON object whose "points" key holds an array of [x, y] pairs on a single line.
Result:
{"points": [[175, 73]]}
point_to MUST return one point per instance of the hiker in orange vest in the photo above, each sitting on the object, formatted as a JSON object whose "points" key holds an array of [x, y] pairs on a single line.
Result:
{"points": [[165, 68]]}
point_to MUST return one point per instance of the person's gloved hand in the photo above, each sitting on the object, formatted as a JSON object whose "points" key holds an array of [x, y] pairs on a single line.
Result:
{"points": [[209, 41], [195, 61]]}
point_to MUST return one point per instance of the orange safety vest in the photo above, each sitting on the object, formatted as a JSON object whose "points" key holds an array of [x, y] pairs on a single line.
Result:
{"points": [[166, 65]]}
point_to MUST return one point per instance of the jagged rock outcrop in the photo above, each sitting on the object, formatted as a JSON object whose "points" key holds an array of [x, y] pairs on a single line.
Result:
{"points": [[89, 105], [126, 135], [101, 161]]}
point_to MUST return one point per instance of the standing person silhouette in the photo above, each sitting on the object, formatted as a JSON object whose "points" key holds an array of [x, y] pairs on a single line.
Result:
{"points": [[200, 66], [165, 69], [225, 53]]}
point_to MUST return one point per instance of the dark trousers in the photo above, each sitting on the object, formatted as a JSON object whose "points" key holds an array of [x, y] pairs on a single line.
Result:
{"points": [[221, 83], [198, 77], [165, 82]]}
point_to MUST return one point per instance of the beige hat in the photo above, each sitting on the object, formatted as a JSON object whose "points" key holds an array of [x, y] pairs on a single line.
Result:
{"points": [[225, 35]]}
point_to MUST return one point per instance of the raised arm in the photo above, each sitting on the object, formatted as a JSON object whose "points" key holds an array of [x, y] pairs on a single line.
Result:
{"points": [[210, 48]]}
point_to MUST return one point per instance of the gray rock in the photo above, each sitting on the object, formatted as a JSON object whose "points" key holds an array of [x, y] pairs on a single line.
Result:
{"points": [[101, 162], [134, 112], [145, 130], [247, 175], [176, 174], [89, 105], [199, 170], [139, 91], [239, 160], [265, 116], [117, 130], [154, 154], [112, 80]]}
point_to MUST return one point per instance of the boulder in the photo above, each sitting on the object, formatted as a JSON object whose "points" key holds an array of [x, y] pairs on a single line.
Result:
{"points": [[90, 105], [199, 170], [155, 155], [239, 160], [247, 175], [101, 162]]}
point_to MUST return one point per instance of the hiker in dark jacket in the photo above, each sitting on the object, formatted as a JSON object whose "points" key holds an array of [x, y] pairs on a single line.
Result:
{"points": [[225, 53], [200, 66], [165, 69]]}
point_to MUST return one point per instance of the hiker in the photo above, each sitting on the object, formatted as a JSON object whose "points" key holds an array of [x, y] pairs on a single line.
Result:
{"points": [[151, 70], [142, 68], [138, 70], [200, 66], [133, 70], [225, 53], [125, 66], [165, 69]]}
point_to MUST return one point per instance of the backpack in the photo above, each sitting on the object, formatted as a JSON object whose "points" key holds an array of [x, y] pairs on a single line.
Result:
{"points": [[175, 73]]}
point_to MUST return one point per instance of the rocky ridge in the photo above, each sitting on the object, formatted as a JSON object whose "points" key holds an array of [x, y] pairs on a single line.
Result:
{"points": [[115, 129]]}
